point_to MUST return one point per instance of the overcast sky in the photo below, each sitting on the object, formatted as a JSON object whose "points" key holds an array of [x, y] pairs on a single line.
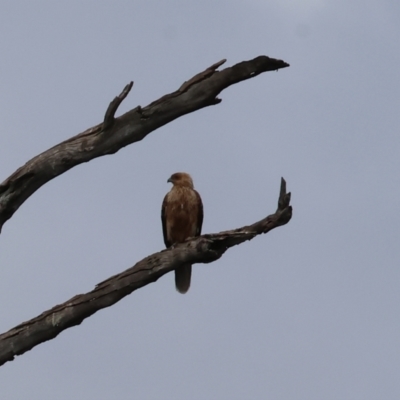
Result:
{"points": [[309, 311]]}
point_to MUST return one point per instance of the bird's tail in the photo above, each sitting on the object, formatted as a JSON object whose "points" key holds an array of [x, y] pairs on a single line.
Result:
{"points": [[182, 278]]}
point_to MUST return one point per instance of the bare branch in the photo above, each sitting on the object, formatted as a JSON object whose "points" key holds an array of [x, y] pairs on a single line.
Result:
{"points": [[198, 92], [202, 249]]}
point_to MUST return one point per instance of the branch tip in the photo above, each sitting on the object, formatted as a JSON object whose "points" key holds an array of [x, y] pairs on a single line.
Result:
{"points": [[109, 116], [283, 185], [217, 65], [284, 198]]}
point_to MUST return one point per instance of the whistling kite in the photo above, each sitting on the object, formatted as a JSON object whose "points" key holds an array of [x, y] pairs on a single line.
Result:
{"points": [[182, 217]]}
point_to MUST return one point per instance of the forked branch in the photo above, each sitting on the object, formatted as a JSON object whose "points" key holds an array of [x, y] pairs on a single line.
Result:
{"points": [[203, 249]]}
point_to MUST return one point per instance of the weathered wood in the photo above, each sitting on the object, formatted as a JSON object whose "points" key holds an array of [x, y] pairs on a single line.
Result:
{"points": [[115, 133], [202, 249]]}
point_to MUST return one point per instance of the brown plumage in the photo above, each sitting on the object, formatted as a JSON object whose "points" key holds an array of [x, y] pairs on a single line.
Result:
{"points": [[182, 217]]}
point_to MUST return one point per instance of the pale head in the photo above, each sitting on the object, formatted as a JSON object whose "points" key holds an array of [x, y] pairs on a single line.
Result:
{"points": [[181, 179]]}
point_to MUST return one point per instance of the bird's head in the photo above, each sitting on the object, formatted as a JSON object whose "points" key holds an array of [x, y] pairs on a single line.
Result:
{"points": [[181, 179]]}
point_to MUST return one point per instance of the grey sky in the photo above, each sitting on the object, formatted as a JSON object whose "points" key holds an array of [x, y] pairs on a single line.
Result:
{"points": [[309, 311]]}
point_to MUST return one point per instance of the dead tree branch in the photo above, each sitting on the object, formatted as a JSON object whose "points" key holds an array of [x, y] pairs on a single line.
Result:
{"points": [[115, 133], [202, 249]]}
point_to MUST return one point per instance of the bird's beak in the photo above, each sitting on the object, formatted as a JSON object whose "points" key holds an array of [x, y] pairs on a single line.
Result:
{"points": [[169, 180]]}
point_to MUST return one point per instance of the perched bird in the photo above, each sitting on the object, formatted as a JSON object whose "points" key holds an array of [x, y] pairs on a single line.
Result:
{"points": [[182, 217]]}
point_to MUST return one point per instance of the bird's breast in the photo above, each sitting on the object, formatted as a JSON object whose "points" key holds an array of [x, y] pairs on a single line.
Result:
{"points": [[181, 214]]}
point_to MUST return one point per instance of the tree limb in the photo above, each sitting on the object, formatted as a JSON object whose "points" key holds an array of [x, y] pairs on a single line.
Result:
{"points": [[115, 133], [202, 249]]}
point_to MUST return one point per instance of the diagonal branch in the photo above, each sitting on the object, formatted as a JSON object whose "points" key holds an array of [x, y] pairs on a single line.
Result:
{"points": [[115, 133], [202, 249]]}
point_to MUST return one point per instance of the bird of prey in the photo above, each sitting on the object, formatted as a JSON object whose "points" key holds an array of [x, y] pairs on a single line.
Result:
{"points": [[182, 217]]}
